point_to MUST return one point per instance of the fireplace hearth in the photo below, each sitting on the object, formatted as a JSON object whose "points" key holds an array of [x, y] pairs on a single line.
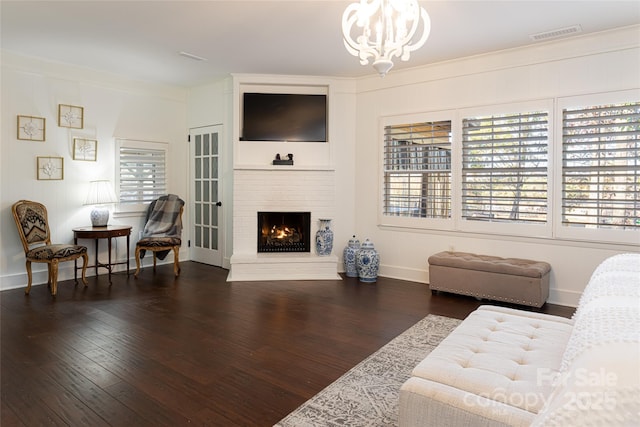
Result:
{"points": [[284, 231]]}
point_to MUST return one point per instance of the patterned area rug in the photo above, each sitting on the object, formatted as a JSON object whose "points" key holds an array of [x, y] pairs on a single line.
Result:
{"points": [[367, 395]]}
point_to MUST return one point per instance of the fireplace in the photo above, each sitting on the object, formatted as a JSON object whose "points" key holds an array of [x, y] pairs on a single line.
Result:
{"points": [[284, 231], [287, 190]]}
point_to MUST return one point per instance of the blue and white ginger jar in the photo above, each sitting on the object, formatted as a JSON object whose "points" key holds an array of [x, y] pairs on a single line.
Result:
{"points": [[349, 256], [367, 262]]}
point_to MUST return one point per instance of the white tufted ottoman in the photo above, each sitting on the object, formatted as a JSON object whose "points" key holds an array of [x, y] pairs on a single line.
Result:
{"points": [[514, 280], [496, 368], [506, 367]]}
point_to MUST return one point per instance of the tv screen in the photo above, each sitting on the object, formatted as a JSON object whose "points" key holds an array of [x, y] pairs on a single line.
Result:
{"points": [[284, 117]]}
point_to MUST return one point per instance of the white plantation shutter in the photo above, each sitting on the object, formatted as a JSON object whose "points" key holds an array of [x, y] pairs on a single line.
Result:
{"points": [[142, 171], [504, 167], [417, 170], [601, 166]]}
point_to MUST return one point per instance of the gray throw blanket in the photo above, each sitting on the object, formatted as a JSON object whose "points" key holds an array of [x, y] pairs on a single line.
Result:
{"points": [[163, 220]]}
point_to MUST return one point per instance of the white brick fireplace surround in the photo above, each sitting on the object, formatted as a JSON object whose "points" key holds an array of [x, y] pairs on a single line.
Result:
{"points": [[280, 188]]}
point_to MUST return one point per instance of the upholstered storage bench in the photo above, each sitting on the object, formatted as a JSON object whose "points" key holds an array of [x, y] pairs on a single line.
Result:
{"points": [[514, 280]]}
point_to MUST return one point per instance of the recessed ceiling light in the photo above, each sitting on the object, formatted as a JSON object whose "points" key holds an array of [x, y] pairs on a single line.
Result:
{"points": [[192, 56], [554, 34]]}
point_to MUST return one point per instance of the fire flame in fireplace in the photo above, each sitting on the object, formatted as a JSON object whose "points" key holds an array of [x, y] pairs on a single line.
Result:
{"points": [[281, 232]]}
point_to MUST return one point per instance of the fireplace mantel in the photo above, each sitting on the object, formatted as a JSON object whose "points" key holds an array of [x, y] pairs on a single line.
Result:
{"points": [[282, 168]]}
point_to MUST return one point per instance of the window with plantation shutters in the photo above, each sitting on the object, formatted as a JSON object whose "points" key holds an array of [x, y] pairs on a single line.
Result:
{"points": [[601, 166], [142, 175], [417, 170], [504, 167]]}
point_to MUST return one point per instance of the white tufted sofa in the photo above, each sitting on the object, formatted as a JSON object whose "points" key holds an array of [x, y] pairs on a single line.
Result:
{"points": [[506, 367]]}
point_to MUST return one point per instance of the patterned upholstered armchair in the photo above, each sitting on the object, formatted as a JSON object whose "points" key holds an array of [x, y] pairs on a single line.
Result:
{"points": [[33, 227], [162, 231]]}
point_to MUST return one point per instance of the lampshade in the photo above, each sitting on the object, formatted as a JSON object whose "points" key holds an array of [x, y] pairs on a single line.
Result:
{"points": [[384, 29], [100, 193]]}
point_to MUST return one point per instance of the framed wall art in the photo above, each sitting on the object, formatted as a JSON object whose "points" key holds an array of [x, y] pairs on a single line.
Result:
{"points": [[85, 149], [70, 116], [50, 168], [31, 128]]}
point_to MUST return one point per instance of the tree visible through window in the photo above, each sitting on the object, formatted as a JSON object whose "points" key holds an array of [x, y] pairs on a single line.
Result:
{"points": [[504, 167], [417, 170], [601, 166]]}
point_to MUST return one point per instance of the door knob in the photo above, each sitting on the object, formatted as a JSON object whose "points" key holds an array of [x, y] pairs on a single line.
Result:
{"points": [[219, 204]]}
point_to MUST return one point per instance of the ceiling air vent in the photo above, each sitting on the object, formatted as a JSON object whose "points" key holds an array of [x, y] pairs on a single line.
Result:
{"points": [[554, 34]]}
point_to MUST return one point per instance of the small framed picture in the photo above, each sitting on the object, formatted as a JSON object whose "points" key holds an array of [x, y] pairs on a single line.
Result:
{"points": [[85, 149], [50, 168], [31, 128], [70, 116]]}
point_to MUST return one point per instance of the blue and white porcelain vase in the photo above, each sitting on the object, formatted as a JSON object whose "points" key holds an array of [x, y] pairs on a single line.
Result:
{"points": [[367, 262], [349, 256], [324, 238]]}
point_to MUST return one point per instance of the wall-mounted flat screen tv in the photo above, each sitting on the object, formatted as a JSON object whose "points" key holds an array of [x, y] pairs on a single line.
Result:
{"points": [[284, 117]]}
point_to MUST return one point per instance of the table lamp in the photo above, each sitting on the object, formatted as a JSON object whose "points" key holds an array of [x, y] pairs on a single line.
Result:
{"points": [[100, 193]]}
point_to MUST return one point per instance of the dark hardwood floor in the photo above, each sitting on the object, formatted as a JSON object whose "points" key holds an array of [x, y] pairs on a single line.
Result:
{"points": [[196, 350]]}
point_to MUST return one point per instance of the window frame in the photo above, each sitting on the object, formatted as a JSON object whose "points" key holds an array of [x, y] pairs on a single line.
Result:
{"points": [[562, 231], [507, 228], [140, 207], [456, 223], [414, 222]]}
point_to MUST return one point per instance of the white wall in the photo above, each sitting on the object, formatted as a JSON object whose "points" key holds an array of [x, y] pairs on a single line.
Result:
{"points": [[590, 64], [116, 107], [113, 107]]}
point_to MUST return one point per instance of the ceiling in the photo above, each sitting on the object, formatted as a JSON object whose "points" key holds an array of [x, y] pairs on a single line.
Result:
{"points": [[142, 39]]}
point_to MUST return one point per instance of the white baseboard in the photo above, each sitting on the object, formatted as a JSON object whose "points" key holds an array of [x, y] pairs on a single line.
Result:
{"points": [[65, 272], [404, 273], [321, 268]]}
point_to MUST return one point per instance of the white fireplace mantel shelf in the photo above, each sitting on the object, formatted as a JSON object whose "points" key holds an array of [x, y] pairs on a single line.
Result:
{"points": [[293, 167]]}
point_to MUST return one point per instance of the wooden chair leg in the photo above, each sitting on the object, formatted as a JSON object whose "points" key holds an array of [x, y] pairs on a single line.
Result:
{"points": [[135, 275], [176, 260], [29, 278], [54, 277], [49, 279], [85, 262]]}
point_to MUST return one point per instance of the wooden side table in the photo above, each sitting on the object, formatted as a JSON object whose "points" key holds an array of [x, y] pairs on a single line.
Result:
{"points": [[97, 233]]}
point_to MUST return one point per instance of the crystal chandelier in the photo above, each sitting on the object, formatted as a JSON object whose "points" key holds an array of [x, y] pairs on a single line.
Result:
{"points": [[384, 29]]}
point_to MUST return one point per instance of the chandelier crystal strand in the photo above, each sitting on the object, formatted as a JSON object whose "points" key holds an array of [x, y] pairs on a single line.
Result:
{"points": [[384, 29]]}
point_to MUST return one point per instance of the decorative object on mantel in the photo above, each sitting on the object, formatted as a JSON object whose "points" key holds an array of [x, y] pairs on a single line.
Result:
{"points": [[367, 262], [85, 149], [324, 238], [31, 128], [287, 161], [384, 29], [70, 116], [50, 168], [100, 193], [349, 256]]}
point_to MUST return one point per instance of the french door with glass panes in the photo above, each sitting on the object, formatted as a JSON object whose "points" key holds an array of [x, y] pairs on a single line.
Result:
{"points": [[206, 209]]}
